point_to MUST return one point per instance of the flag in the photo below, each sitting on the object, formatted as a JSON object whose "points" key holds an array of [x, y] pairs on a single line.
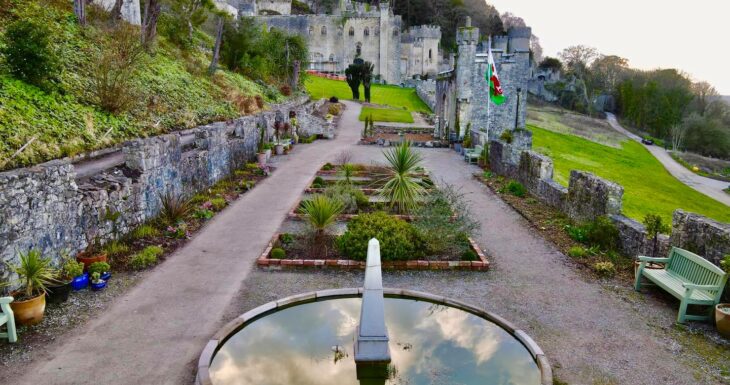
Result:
{"points": [[495, 88]]}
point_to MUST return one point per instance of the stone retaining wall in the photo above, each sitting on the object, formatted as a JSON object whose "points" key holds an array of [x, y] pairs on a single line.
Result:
{"points": [[588, 197], [46, 207]]}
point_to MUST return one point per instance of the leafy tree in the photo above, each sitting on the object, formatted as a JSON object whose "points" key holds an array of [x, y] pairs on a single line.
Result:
{"points": [[551, 63], [28, 52], [152, 10], [186, 15], [704, 92], [577, 58], [606, 72], [353, 75], [367, 78], [655, 226]]}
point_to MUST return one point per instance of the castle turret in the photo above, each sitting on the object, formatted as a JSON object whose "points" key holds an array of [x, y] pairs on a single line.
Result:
{"points": [[467, 38]]}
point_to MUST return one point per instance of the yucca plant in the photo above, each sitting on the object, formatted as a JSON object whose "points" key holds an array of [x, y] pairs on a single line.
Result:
{"points": [[34, 273], [174, 208], [321, 212], [347, 171], [401, 188]]}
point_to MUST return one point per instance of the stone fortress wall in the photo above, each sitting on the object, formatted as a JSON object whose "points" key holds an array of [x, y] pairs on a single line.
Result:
{"points": [[49, 208]]}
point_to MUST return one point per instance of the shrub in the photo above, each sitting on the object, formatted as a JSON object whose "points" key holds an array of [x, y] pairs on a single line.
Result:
{"points": [[506, 136], [146, 257], [488, 175], [145, 231], [725, 263], [115, 248], [577, 233], [398, 239], [604, 269], [285, 90], [278, 253], [352, 199], [286, 238], [204, 214], [443, 222], [577, 252], [602, 233], [334, 109], [318, 182], [654, 226], [28, 53], [328, 166], [100, 267], [469, 255], [516, 188], [72, 268], [308, 139], [218, 204], [174, 208], [402, 188]]}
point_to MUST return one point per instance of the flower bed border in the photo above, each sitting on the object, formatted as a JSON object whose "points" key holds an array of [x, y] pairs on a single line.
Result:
{"points": [[264, 261]]}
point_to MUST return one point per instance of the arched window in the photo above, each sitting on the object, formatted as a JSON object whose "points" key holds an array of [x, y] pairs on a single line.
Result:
{"points": [[395, 32], [351, 32], [366, 32], [311, 30], [358, 50], [324, 30]]}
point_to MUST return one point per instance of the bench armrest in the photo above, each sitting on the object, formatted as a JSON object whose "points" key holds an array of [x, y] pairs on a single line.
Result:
{"points": [[692, 286], [655, 260], [6, 300]]}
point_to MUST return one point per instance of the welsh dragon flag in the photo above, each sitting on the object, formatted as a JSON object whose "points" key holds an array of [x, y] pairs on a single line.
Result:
{"points": [[495, 88]]}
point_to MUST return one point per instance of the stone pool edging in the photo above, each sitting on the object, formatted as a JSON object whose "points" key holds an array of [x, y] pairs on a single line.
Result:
{"points": [[202, 376], [264, 261]]}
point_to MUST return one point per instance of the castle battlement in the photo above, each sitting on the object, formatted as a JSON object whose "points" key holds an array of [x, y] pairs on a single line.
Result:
{"points": [[424, 32]]}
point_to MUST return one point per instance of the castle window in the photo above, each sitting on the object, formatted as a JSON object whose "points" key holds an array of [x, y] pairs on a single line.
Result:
{"points": [[332, 57], [358, 50], [395, 32], [311, 30], [429, 54], [324, 30], [366, 32], [351, 32]]}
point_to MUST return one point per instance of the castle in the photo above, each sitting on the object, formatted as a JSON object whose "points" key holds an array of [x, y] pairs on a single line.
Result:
{"points": [[352, 30]]}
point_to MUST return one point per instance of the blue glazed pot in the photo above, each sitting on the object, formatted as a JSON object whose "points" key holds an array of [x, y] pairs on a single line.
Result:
{"points": [[98, 285], [457, 147], [80, 282], [106, 276]]}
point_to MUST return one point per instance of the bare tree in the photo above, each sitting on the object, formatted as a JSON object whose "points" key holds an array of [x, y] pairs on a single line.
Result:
{"points": [[536, 48], [703, 92], [607, 71], [116, 12], [152, 10], [510, 20], [80, 11], [578, 57], [678, 132], [217, 48]]}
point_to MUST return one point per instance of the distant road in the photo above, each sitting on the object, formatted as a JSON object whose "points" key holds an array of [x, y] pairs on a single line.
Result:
{"points": [[708, 186]]}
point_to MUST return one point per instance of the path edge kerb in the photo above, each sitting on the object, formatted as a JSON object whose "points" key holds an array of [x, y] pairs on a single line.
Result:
{"points": [[211, 348]]}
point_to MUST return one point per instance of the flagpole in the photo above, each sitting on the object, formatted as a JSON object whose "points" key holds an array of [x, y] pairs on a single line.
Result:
{"points": [[489, 90]]}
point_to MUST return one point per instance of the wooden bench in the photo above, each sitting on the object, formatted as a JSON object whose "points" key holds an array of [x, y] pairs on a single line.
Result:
{"points": [[687, 276], [7, 318], [471, 155]]}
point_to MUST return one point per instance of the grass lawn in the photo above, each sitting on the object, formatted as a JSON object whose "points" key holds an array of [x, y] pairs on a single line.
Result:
{"points": [[648, 187], [392, 96], [386, 115]]}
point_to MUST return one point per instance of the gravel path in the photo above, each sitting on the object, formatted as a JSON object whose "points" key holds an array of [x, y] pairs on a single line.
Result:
{"points": [[708, 186], [592, 333]]}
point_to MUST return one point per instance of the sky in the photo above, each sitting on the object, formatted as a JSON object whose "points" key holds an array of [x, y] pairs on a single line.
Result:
{"points": [[691, 36]]}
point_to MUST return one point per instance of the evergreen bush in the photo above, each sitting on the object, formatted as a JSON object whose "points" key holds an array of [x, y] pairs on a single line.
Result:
{"points": [[398, 239]]}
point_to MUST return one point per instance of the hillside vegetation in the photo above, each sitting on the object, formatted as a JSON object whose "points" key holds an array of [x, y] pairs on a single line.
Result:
{"points": [[73, 109], [648, 187]]}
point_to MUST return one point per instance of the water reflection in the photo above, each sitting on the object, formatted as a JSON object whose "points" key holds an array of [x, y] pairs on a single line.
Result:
{"points": [[429, 344]]}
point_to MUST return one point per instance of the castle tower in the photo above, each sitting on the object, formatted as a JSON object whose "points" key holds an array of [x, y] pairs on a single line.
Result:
{"points": [[385, 34], [467, 38]]}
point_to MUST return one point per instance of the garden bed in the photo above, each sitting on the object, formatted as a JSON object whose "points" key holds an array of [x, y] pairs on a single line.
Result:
{"points": [[334, 261]]}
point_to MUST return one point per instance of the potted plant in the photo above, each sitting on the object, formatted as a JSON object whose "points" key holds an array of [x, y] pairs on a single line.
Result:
{"points": [[34, 275], [261, 153], [92, 254], [102, 268], [63, 281], [722, 310], [279, 147], [96, 282]]}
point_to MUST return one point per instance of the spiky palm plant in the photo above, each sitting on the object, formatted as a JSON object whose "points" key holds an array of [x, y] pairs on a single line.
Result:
{"points": [[401, 188], [321, 212], [34, 273], [174, 208]]}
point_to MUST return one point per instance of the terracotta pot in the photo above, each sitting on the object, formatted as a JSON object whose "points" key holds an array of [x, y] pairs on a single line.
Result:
{"points": [[30, 311], [87, 260], [261, 157], [722, 319], [279, 149]]}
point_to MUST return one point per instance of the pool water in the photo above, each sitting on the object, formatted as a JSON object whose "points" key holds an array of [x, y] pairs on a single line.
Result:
{"points": [[430, 344]]}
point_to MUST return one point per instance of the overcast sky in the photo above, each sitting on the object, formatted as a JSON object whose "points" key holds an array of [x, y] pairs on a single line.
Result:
{"points": [[692, 36]]}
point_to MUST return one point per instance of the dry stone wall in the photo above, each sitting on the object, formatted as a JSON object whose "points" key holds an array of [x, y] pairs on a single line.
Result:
{"points": [[46, 207], [588, 197]]}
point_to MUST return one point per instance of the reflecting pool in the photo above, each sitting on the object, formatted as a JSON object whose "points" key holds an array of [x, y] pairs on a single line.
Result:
{"points": [[430, 344]]}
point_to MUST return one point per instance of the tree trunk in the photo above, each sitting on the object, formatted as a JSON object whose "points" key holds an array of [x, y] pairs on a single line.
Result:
{"points": [[217, 48], [295, 76], [80, 11], [149, 23], [116, 12]]}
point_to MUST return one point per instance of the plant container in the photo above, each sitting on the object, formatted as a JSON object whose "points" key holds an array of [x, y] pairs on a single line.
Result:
{"points": [[106, 275], [268, 154], [457, 147], [58, 293], [88, 259], [96, 286], [722, 319], [29, 311], [279, 149], [80, 282], [261, 157]]}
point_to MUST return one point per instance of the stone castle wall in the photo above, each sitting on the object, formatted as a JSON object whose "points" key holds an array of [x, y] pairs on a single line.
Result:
{"points": [[588, 197], [46, 207]]}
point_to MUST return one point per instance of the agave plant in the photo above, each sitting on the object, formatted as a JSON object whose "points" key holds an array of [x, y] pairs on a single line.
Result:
{"points": [[401, 188], [34, 273], [321, 212], [174, 208]]}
